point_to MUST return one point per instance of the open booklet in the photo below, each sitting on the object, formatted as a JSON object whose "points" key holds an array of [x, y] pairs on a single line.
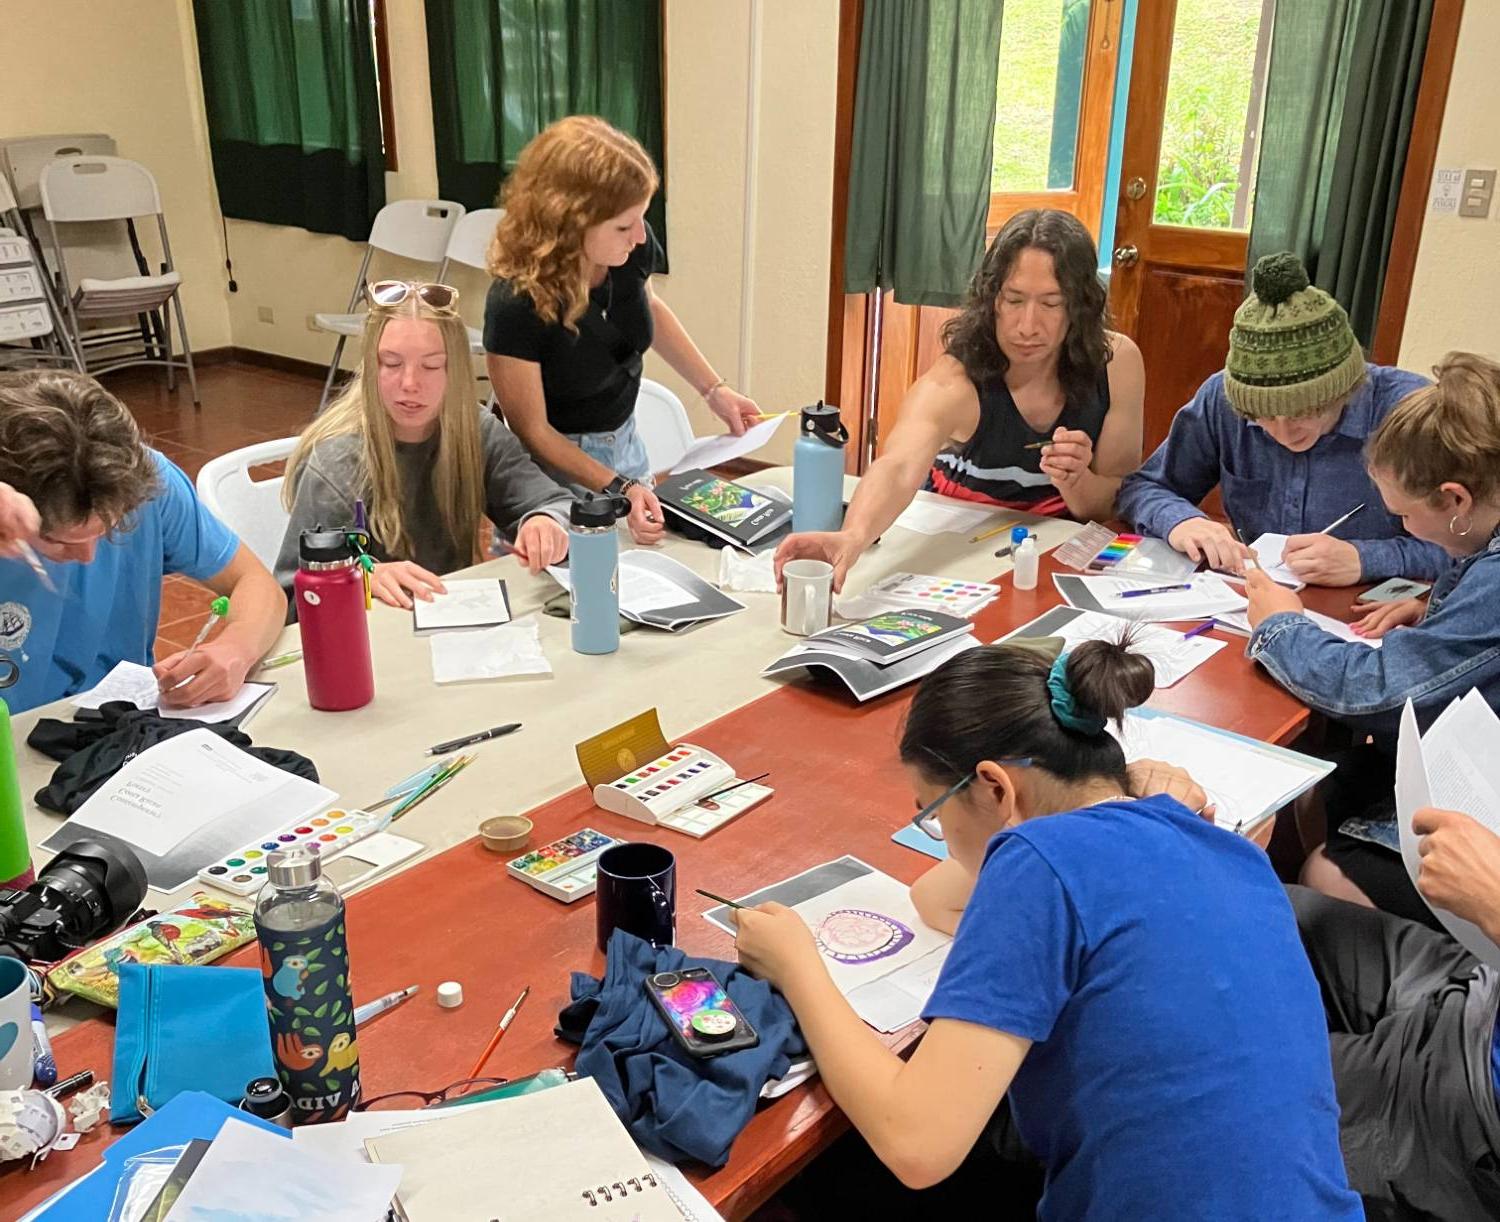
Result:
{"points": [[136, 684], [660, 592], [1454, 766], [867, 679]]}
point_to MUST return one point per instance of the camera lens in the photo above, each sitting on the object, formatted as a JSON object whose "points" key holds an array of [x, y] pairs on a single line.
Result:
{"points": [[666, 980]]}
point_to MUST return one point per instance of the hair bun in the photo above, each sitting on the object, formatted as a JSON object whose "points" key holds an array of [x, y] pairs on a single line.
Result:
{"points": [[1110, 679], [1277, 277]]}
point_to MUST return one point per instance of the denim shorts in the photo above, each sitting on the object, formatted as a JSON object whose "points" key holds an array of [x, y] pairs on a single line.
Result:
{"points": [[621, 451]]}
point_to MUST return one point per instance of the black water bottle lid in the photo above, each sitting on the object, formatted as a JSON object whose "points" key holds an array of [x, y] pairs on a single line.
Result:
{"points": [[598, 511], [822, 422], [325, 546], [264, 1098]]}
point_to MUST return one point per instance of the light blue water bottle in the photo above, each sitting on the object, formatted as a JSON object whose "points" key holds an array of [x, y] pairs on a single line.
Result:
{"points": [[594, 570], [818, 470]]}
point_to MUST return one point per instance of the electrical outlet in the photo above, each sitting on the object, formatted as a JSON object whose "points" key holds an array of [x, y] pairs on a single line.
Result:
{"points": [[265, 314], [312, 323]]}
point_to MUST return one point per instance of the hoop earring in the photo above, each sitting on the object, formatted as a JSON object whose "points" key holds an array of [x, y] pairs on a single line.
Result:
{"points": [[1460, 533]]}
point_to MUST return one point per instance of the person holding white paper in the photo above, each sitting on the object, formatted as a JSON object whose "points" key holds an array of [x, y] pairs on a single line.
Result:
{"points": [[407, 438], [1436, 463], [1108, 949], [1412, 1025]]}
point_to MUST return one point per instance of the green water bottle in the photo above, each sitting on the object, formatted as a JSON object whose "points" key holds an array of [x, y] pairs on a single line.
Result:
{"points": [[15, 845]]}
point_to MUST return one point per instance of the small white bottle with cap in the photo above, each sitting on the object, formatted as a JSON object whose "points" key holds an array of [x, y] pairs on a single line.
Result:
{"points": [[1027, 560]]}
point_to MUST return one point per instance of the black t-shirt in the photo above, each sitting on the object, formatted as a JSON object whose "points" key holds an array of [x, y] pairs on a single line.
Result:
{"points": [[589, 379]]}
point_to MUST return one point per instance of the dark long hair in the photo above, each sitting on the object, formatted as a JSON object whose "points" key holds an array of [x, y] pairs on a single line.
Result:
{"points": [[969, 336], [993, 703]]}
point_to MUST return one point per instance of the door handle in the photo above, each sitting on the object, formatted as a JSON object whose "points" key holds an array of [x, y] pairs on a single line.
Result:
{"points": [[1127, 256]]}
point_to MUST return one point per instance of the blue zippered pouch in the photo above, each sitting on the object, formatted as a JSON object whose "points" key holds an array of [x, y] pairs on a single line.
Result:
{"points": [[187, 1028]]}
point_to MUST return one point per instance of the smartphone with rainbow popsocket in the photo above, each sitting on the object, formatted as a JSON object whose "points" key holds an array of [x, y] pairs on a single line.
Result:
{"points": [[699, 1013]]}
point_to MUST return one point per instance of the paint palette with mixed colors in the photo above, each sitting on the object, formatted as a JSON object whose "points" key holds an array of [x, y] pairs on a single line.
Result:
{"points": [[330, 833], [566, 869], [687, 789]]}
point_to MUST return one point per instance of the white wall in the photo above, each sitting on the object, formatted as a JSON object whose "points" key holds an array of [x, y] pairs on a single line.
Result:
{"points": [[1455, 296]]}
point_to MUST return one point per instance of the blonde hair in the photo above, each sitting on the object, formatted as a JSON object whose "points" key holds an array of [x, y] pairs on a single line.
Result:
{"points": [[578, 173], [1448, 432], [358, 411]]}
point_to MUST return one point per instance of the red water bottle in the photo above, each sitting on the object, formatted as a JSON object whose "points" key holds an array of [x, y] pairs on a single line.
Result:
{"points": [[329, 590]]}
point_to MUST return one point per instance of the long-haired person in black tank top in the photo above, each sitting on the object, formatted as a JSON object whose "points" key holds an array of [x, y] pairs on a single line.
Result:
{"points": [[1027, 360]]}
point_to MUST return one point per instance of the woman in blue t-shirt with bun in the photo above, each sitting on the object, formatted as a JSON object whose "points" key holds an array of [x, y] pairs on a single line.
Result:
{"points": [[1128, 974]]}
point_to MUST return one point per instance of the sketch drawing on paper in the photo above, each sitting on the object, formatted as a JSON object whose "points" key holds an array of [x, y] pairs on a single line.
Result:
{"points": [[856, 935]]}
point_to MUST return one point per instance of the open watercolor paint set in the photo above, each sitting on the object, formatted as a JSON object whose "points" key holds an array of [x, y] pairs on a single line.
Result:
{"points": [[674, 791], [331, 833], [566, 869]]}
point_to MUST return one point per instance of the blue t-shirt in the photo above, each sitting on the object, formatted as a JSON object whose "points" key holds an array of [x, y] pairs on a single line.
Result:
{"points": [[106, 611], [1179, 1066]]}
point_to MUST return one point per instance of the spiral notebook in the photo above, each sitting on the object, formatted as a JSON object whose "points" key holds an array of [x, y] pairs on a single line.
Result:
{"points": [[556, 1154]]}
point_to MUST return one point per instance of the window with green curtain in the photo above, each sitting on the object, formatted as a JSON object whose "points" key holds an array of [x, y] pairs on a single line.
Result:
{"points": [[919, 173], [1340, 95], [502, 70], [293, 111]]}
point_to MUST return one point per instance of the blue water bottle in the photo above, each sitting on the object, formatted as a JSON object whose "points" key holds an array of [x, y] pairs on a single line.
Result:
{"points": [[594, 571], [818, 470]]}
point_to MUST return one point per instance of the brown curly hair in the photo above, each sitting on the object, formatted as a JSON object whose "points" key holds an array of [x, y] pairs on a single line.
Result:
{"points": [[73, 448], [577, 173], [969, 336]]}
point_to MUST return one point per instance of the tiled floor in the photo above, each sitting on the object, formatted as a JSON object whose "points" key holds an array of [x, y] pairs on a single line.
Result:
{"points": [[242, 404]]}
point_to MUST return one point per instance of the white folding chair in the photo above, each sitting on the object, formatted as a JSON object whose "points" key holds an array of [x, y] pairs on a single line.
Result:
{"points": [[662, 424], [414, 229], [250, 508], [87, 190], [31, 330], [468, 246]]}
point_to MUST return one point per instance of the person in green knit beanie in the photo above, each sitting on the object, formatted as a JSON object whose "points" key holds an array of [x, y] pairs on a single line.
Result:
{"points": [[1281, 432]]}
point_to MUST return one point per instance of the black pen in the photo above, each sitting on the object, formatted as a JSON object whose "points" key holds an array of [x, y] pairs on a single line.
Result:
{"points": [[456, 743], [68, 1085]]}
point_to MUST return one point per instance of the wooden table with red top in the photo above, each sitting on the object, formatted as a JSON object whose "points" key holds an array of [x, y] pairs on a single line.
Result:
{"points": [[839, 789]]}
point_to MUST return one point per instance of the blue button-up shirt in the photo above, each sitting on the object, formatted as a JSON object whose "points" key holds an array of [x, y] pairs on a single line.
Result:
{"points": [[1267, 489]]}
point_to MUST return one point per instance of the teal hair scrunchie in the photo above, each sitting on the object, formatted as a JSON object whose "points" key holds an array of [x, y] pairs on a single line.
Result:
{"points": [[1064, 707]]}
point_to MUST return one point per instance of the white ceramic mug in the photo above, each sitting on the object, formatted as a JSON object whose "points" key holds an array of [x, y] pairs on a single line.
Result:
{"points": [[806, 596], [17, 1058]]}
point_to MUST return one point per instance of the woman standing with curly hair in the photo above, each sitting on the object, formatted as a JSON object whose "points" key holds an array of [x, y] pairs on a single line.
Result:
{"points": [[571, 313], [1033, 405]]}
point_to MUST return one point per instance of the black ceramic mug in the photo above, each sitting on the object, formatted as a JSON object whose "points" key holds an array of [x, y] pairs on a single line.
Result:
{"points": [[637, 892]]}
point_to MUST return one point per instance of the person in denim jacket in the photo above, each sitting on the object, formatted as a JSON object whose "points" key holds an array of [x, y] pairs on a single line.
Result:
{"points": [[1436, 462], [1281, 432]]}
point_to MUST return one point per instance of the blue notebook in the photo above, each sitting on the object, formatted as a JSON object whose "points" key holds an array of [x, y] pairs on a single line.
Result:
{"points": [[914, 837]]}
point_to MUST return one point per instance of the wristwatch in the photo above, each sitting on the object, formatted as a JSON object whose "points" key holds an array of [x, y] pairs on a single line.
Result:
{"points": [[620, 485]]}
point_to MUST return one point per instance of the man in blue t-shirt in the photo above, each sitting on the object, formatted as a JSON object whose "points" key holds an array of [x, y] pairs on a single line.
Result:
{"points": [[1412, 1025], [91, 519]]}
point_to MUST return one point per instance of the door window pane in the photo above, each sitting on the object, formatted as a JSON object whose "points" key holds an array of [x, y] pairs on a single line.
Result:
{"points": [[1212, 122], [1042, 48]]}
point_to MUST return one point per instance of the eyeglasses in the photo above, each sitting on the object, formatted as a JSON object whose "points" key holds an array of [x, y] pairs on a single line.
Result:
{"points": [[926, 820], [408, 1100], [393, 292]]}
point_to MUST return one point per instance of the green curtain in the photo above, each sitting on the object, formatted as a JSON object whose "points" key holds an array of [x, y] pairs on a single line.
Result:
{"points": [[293, 111], [1340, 94], [503, 69], [924, 122]]}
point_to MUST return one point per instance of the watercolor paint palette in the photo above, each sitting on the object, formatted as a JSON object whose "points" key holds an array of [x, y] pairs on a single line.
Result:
{"points": [[566, 869], [672, 791], [333, 831], [1098, 549], [899, 591]]}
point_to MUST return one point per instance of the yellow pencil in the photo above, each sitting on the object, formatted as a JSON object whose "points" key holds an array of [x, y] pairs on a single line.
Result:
{"points": [[990, 534], [774, 415]]}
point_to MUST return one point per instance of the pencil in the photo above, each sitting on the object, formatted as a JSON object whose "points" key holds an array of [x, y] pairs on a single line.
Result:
{"points": [[990, 534], [499, 1033], [1037, 445], [718, 899], [736, 785]]}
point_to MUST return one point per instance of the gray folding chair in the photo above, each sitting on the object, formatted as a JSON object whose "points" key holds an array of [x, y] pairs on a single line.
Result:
{"points": [[31, 330], [87, 190], [413, 229]]}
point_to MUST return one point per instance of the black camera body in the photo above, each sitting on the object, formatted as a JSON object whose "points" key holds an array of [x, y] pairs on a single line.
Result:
{"points": [[85, 892]]}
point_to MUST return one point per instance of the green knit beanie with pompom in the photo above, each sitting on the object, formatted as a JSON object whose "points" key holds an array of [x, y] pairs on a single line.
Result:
{"points": [[1291, 350]]}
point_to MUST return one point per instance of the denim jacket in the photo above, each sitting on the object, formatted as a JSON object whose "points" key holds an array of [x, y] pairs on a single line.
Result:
{"points": [[1268, 489], [1456, 647]]}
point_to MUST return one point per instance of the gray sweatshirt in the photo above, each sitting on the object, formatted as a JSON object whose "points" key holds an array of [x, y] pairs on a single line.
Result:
{"points": [[515, 488]]}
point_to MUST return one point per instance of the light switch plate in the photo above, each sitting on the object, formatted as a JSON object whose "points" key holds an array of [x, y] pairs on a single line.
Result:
{"points": [[1476, 193]]}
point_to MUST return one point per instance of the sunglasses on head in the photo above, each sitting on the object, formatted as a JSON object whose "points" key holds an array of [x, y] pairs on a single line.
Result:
{"points": [[394, 292]]}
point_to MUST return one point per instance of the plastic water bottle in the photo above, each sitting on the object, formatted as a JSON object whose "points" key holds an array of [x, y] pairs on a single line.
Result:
{"points": [[15, 845], [594, 573], [304, 964], [329, 591], [818, 470], [1027, 559]]}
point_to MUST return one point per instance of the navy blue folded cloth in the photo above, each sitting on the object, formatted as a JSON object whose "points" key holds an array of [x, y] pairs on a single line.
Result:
{"points": [[676, 1106]]}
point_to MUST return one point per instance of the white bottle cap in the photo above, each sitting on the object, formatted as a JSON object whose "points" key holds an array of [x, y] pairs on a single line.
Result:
{"points": [[450, 994]]}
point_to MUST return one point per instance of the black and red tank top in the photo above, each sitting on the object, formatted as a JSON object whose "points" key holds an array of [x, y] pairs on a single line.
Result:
{"points": [[995, 467]]}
